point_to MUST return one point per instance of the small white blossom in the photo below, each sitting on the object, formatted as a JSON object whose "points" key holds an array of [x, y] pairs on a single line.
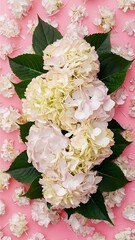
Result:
{"points": [[132, 107], [5, 50], [8, 27], [129, 212], [130, 27], [52, 6], [20, 8], [8, 119], [37, 236], [97, 236], [31, 25], [42, 214], [125, 51], [132, 85], [8, 153], [18, 198], [4, 180], [128, 133], [6, 86], [107, 21], [17, 224], [79, 224], [127, 234], [119, 96], [126, 167], [2, 207], [114, 198], [76, 30], [77, 13], [126, 4]]}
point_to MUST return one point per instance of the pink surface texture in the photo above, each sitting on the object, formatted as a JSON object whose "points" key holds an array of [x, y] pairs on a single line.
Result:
{"points": [[62, 231]]}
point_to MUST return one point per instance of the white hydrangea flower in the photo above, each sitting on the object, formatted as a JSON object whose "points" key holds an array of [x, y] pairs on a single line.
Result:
{"points": [[2, 207], [129, 212], [76, 30], [126, 5], [17, 224], [37, 236], [119, 96], [20, 8], [42, 214], [125, 51], [52, 6], [8, 119], [128, 133], [132, 107], [4, 180], [127, 234], [79, 225], [6, 86], [107, 20], [126, 167], [74, 57], [77, 13], [8, 152], [114, 198], [8, 27], [64, 190], [130, 27], [18, 198], [5, 50]]}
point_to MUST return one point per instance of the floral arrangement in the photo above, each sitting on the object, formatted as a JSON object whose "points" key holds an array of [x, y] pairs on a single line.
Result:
{"points": [[71, 138]]}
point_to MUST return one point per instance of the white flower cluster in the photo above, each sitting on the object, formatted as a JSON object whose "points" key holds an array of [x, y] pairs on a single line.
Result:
{"points": [[52, 6], [119, 96], [127, 169], [130, 27], [4, 180], [5, 50], [17, 224], [8, 27], [76, 30], [114, 198], [42, 214], [79, 224], [127, 234], [107, 20], [18, 198], [2, 207], [8, 119], [126, 51], [6, 86], [8, 152], [37, 236], [20, 8], [77, 13], [69, 97], [129, 212], [126, 4]]}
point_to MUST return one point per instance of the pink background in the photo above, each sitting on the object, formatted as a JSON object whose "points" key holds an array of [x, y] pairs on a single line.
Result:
{"points": [[62, 231]]}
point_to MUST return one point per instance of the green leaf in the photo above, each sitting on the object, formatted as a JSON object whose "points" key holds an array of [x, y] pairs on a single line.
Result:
{"points": [[115, 126], [113, 177], [93, 209], [35, 190], [27, 66], [101, 41], [44, 35], [24, 130], [23, 171], [113, 69], [20, 88]]}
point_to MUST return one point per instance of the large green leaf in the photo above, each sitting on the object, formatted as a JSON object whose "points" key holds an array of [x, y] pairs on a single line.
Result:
{"points": [[93, 209], [115, 126], [113, 69], [101, 41], [113, 177], [44, 35], [27, 66], [35, 190], [20, 88], [23, 171], [24, 130]]}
